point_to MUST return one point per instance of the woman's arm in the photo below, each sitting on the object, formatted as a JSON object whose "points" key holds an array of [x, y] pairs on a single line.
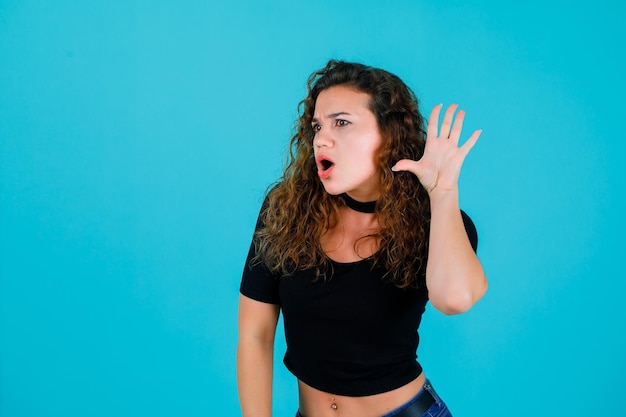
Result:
{"points": [[454, 275], [255, 356]]}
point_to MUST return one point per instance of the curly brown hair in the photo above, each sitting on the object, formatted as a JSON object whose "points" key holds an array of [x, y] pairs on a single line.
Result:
{"points": [[298, 211]]}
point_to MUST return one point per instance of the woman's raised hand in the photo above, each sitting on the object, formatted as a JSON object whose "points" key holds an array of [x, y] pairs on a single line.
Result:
{"points": [[440, 166]]}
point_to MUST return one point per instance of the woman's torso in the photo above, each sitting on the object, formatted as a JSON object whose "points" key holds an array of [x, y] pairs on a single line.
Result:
{"points": [[316, 403], [350, 241]]}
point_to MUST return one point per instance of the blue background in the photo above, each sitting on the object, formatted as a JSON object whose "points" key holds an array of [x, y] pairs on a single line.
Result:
{"points": [[137, 139]]}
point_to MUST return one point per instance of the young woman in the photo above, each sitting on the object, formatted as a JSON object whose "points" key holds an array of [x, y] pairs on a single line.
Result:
{"points": [[363, 229]]}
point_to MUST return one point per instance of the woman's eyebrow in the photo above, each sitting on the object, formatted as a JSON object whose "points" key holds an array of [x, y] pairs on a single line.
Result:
{"points": [[332, 116]]}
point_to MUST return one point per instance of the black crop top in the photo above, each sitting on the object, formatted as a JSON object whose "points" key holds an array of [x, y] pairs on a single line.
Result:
{"points": [[352, 335]]}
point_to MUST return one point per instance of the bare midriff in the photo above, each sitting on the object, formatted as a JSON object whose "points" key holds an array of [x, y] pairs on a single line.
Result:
{"points": [[316, 403]]}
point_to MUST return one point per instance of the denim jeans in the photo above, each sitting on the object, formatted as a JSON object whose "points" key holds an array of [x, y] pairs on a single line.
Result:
{"points": [[438, 409]]}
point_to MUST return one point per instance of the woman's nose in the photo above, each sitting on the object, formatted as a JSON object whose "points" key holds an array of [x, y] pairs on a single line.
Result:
{"points": [[322, 138]]}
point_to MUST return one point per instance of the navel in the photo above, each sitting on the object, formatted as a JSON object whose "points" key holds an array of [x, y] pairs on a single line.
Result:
{"points": [[333, 404]]}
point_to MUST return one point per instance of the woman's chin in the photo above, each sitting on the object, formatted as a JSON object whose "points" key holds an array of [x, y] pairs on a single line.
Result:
{"points": [[333, 190]]}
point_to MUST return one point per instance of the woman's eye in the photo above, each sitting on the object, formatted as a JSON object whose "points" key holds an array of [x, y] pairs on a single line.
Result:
{"points": [[316, 127], [341, 122]]}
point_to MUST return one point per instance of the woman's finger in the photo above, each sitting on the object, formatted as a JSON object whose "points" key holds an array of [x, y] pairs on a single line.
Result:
{"points": [[455, 134], [433, 121], [469, 144], [444, 133], [405, 165]]}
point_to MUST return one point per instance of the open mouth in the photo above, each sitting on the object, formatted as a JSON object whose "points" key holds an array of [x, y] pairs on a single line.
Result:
{"points": [[324, 166]]}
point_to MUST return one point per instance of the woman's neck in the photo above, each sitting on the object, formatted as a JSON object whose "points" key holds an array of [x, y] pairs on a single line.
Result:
{"points": [[360, 206]]}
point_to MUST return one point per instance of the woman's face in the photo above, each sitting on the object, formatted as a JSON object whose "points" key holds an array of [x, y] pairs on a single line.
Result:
{"points": [[345, 143]]}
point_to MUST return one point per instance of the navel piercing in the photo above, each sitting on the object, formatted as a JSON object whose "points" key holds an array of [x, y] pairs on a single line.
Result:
{"points": [[333, 405]]}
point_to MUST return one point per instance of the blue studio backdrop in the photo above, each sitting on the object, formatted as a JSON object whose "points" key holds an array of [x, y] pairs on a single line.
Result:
{"points": [[137, 139]]}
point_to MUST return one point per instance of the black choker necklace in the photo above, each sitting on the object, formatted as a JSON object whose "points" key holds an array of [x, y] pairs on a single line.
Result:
{"points": [[369, 207]]}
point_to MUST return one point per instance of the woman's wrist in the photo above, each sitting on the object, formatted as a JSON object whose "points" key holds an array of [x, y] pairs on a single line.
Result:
{"points": [[443, 199]]}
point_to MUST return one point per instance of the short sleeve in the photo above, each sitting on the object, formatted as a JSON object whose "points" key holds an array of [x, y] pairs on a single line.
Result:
{"points": [[257, 281], [470, 229]]}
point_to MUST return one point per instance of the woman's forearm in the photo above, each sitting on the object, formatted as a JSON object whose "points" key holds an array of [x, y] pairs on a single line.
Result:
{"points": [[454, 275], [254, 377], [255, 356]]}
